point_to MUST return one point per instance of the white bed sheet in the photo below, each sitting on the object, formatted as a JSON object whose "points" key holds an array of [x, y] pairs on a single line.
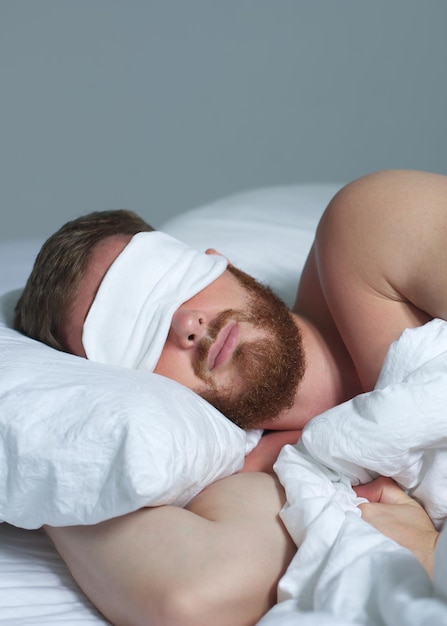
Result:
{"points": [[35, 586]]}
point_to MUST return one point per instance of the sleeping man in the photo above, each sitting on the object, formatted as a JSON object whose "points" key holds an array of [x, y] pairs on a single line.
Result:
{"points": [[101, 290]]}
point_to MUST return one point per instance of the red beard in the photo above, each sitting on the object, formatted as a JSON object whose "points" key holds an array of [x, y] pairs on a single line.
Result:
{"points": [[271, 368]]}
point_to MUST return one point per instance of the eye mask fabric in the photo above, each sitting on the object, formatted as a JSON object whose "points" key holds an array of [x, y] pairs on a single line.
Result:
{"points": [[129, 320]]}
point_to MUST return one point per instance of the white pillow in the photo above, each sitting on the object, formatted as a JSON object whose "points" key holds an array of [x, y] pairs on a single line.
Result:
{"points": [[266, 232], [82, 442]]}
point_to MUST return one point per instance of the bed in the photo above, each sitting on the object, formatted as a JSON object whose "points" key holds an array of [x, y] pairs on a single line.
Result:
{"points": [[267, 232]]}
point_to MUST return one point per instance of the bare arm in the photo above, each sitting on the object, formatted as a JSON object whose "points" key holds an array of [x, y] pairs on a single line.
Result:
{"points": [[264, 455], [216, 563]]}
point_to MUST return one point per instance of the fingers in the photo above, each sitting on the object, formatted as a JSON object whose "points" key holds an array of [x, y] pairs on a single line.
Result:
{"points": [[383, 490], [376, 489]]}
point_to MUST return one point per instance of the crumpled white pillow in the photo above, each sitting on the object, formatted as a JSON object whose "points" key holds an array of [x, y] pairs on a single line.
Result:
{"points": [[82, 442]]}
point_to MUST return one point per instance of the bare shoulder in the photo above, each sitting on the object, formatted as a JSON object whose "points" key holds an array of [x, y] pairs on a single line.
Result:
{"points": [[373, 192], [381, 256]]}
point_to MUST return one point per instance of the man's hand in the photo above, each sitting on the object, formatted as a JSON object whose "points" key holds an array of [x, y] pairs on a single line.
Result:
{"points": [[399, 517]]}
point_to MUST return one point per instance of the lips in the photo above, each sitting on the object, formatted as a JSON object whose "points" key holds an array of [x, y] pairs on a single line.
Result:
{"points": [[224, 345]]}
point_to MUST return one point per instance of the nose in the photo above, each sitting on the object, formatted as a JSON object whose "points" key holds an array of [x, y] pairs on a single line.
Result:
{"points": [[188, 327]]}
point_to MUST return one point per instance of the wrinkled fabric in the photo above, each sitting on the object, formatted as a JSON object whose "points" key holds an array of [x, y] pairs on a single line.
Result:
{"points": [[345, 572], [129, 320]]}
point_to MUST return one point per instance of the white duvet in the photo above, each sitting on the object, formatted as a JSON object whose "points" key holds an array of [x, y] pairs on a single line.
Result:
{"points": [[345, 572]]}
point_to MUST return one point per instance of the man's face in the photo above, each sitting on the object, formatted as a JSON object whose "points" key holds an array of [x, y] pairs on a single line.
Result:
{"points": [[237, 346], [234, 343]]}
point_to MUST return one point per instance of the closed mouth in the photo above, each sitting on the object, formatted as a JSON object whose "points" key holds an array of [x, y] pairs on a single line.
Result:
{"points": [[222, 349]]}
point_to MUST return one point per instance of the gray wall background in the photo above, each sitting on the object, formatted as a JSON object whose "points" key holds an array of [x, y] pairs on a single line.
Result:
{"points": [[163, 105]]}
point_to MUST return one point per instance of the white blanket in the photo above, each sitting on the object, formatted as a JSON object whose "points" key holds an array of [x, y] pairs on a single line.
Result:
{"points": [[345, 572]]}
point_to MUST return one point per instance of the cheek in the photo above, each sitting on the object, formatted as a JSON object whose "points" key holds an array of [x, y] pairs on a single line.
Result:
{"points": [[167, 363], [175, 364]]}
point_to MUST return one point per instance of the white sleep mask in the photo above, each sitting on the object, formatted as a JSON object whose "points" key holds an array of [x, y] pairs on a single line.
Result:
{"points": [[129, 320]]}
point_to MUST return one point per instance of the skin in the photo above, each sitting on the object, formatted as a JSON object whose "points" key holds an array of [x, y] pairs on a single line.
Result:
{"points": [[176, 566], [364, 282], [401, 518]]}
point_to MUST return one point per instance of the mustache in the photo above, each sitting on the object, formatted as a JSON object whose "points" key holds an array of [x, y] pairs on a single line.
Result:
{"points": [[204, 345]]}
